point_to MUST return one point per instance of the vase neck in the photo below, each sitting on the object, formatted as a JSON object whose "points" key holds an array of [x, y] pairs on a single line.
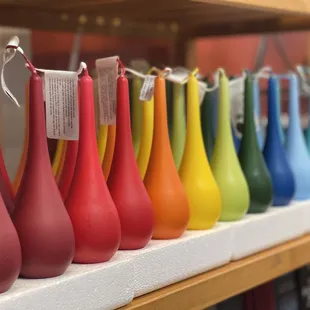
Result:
{"points": [[294, 114], [37, 144]]}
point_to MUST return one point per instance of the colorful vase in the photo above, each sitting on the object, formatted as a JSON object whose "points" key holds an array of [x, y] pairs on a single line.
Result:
{"points": [[162, 181], [201, 189], [90, 206], [275, 157], [225, 164], [296, 148], [251, 159], [125, 184]]}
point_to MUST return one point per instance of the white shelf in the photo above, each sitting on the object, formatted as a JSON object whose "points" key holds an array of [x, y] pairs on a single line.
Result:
{"points": [[133, 273]]}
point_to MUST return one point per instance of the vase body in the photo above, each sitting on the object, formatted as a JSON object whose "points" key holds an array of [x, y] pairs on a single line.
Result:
{"points": [[136, 113], [296, 148], [10, 254], [40, 216], [178, 127], [251, 159], [90, 206], [201, 189], [274, 153], [257, 114], [125, 184], [109, 150], [146, 136], [170, 205], [206, 111], [225, 164]]}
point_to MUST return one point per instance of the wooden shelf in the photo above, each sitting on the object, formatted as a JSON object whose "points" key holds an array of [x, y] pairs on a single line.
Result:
{"points": [[219, 284], [166, 19]]}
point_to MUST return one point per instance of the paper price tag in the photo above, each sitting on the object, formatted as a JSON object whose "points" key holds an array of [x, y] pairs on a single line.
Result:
{"points": [[8, 55], [107, 75], [61, 104], [147, 89], [202, 89]]}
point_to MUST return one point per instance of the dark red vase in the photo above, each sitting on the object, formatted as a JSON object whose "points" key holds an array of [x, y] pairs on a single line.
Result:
{"points": [[93, 214], [6, 186], [42, 223], [10, 251], [132, 201]]}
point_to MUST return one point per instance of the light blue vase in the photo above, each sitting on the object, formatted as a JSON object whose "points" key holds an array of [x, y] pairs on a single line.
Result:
{"points": [[307, 131], [296, 147]]}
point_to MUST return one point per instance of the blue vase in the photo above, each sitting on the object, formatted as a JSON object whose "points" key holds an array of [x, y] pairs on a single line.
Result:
{"points": [[307, 131], [274, 152], [257, 112], [296, 147]]}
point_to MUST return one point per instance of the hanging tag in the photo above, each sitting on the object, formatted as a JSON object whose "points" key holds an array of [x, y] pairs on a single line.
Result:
{"points": [[107, 69], [236, 90], [8, 54], [140, 65], [61, 104], [202, 89], [179, 75], [147, 89]]}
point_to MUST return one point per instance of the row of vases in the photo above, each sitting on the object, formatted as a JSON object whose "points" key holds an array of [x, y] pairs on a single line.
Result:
{"points": [[86, 220]]}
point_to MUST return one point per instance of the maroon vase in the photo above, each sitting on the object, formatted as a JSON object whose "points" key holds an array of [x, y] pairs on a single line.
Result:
{"points": [[10, 251], [42, 223]]}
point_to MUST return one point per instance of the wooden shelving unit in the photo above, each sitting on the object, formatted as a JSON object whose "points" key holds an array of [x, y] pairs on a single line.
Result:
{"points": [[161, 18], [219, 284], [182, 21]]}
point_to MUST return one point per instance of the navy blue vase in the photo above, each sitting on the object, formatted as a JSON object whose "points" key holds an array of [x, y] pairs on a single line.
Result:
{"points": [[275, 156]]}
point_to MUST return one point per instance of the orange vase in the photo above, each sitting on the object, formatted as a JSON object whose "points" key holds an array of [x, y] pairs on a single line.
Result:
{"points": [[109, 151], [162, 181]]}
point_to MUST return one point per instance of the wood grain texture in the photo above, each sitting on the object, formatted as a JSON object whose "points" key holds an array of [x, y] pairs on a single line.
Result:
{"points": [[212, 287], [136, 18]]}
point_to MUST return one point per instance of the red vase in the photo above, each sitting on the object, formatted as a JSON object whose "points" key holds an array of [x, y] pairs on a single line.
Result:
{"points": [[6, 189], [133, 204], [40, 217], [10, 251], [68, 169], [93, 214]]}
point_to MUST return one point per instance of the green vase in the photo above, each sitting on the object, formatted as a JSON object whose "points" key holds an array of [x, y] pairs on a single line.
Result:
{"points": [[251, 159], [206, 114], [178, 126], [225, 164]]}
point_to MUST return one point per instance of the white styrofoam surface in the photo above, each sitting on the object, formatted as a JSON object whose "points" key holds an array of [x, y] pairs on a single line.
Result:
{"points": [[113, 284], [104, 286], [164, 262], [257, 232]]}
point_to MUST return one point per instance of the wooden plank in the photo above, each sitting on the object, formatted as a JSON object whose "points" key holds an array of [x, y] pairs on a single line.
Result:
{"points": [[287, 6], [253, 26], [219, 284]]}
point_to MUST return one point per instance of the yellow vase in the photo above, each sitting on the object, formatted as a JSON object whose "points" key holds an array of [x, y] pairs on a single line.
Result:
{"points": [[102, 141], [62, 161], [146, 136], [136, 114], [200, 186], [225, 164]]}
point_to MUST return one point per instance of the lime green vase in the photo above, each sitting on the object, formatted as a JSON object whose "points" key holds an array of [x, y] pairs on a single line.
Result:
{"points": [[225, 163]]}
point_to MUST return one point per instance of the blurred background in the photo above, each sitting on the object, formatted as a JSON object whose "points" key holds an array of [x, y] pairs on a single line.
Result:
{"points": [[52, 50]]}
